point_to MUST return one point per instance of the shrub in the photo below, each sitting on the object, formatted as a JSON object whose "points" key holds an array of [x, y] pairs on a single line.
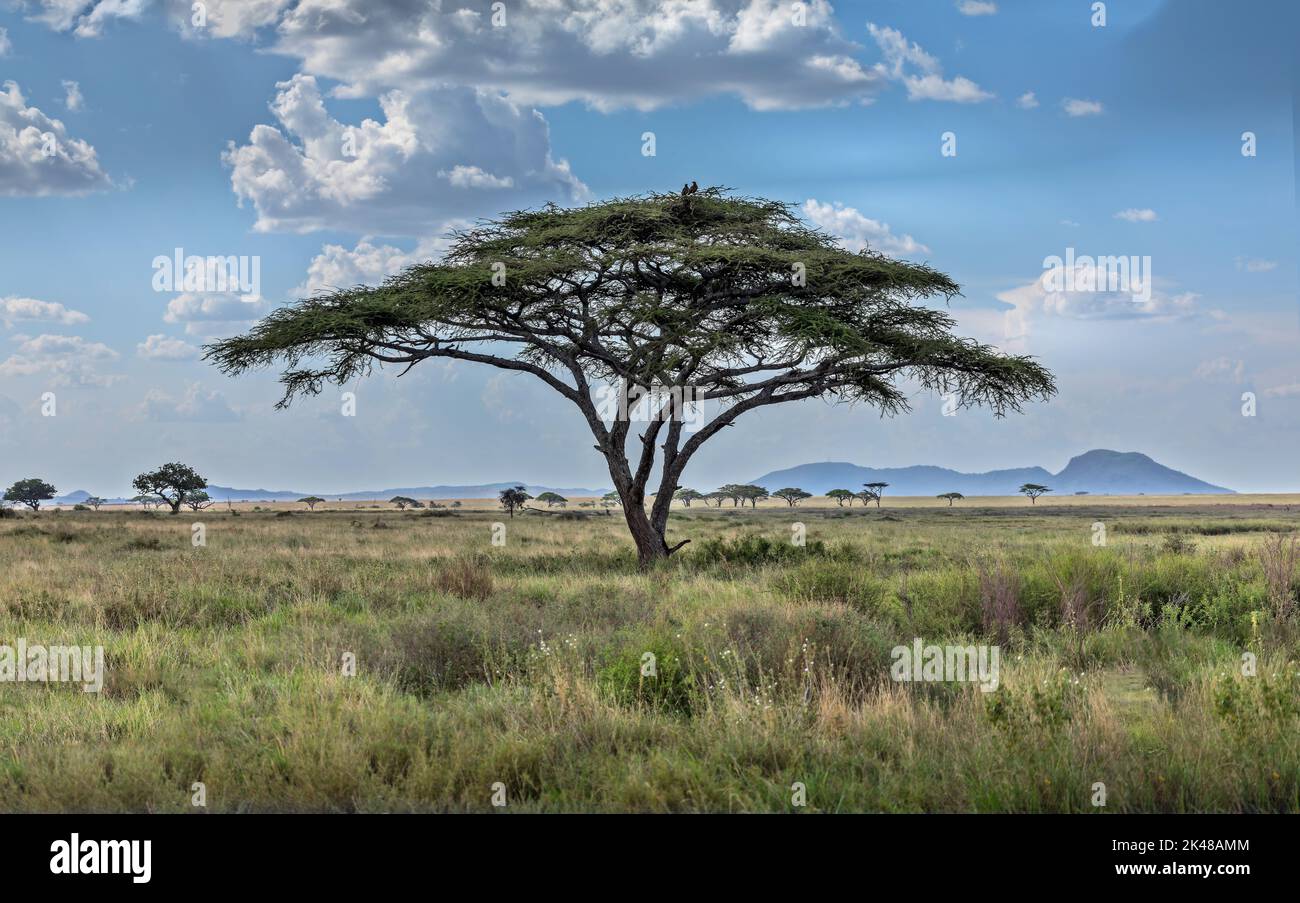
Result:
{"points": [[650, 670], [754, 551], [466, 578]]}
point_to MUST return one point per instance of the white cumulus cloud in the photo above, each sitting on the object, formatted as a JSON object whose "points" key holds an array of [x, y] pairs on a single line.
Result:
{"points": [[38, 157], [856, 231]]}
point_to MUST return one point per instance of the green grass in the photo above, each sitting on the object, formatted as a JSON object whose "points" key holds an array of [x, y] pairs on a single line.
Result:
{"points": [[523, 663]]}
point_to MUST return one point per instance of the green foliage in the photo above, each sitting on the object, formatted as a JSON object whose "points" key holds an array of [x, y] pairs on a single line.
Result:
{"points": [[650, 669], [30, 492]]}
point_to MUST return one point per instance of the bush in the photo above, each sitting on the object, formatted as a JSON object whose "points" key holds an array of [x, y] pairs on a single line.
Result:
{"points": [[754, 551], [650, 670], [466, 578]]}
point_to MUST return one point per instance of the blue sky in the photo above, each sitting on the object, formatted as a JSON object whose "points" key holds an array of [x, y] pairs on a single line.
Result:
{"points": [[224, 139]]}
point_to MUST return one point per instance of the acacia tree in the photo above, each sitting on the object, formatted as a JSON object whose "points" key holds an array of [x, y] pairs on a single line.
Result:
{"points": [[513, 498], [877, 490], [868, 496], [552, 499], [717, 496], [30, 492], [951, 497], [311, 501], [748, 492], [729, 301], [686, 496], [402, 502], [197, 499], [792, 495], [170, 483], [841, 496], [1033, 490]]}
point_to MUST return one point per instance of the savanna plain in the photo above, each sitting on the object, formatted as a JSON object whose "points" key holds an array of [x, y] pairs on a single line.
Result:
{"points": [[1156, 655]]}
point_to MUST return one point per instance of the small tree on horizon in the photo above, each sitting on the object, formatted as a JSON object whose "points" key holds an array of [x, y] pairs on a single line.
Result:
{"points": [[686, 496], [792, 495], [402, 502], [748, 492], [733, 297], [951, 497], [30, 492], [877, 490], [513, 498], [867, 497], [170, 483], [841, 496], [94, 502], [1033, 490], [552, 499], [311, 501], [197, 499]]}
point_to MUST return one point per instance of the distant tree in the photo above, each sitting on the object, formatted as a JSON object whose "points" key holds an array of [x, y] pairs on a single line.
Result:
{"points": [[311, 501], [841, 496], [752, 494], [686, 496], [659, 289], [144, 501], [1033, 490], [402, 502], [513, 498], [456, 504], [30, 492], [197, 499], [951, 497], [877, 490], [717, 496], [170, 483], [733, 491], [792, 496], [552, 499], [868, 496]]}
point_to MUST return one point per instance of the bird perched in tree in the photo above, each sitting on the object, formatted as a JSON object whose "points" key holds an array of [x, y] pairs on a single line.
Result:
{"points": [[690, 189], [694, 187], [686, 189]]}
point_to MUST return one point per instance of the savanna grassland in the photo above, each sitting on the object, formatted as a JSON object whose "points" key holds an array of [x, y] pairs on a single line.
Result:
{"points": [[521, 663]]}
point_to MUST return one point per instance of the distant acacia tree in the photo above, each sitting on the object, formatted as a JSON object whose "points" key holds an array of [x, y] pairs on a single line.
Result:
{"points": [[30, 492], [94, 502], [841, 496], [717, 496], [951, 497], [170, 483], [610, 499], [748, 492], [1033, 490], [402, 502], [877, 490], [513, 498], [686, 496], [868, 497], [197, 499], [144, 501], [311, 501], [552, 499], [733, 298], [792, 495]]}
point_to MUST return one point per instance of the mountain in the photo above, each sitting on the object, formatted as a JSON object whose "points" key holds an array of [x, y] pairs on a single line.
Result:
{"points": [[1099, 472]]}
